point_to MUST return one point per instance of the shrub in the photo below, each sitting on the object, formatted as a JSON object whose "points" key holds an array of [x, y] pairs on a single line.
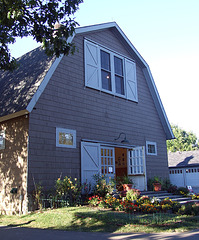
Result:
{"points": [[189, 209], [103, 185], [68, 188], [183, 191], [166, 184], [186, 209], [112, 202], [133, 194], [195, 209], [172, 189], [148, 208], [129, 207]]}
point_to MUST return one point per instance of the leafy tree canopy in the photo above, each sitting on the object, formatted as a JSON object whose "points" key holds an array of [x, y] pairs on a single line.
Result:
{"points": [[184, 141], [36, 18]]}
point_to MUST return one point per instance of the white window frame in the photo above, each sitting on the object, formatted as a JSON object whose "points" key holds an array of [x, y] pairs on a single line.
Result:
{"points": [[2, 139], [112, 72], [125, 61], [66, 131], [147, 148]]}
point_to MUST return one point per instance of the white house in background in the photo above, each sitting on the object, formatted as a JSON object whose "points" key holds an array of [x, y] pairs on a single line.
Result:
{"points": [[184, 168]]}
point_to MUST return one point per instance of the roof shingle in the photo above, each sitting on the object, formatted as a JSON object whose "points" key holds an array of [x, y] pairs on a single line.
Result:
{"points": [[18, 87], [183, 159]]}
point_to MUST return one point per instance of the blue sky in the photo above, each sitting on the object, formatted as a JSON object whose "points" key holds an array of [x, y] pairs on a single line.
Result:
{"points": [[166, 34]]}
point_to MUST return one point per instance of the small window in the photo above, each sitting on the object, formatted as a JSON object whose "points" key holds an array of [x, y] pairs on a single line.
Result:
{"points": [[65, 138], [2, 139], [151, 148]]}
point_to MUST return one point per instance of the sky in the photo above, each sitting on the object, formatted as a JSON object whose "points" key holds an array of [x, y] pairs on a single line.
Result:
{"points": [[166, 34]]}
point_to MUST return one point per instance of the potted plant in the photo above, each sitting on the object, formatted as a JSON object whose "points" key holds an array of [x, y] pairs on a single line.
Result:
{"points": [[127, 183], [157, 183]]}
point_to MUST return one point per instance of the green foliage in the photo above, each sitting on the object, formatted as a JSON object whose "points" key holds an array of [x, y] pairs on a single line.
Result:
{"points": [[195, 196], [37, 194], [151, 181], [189, 209], [184, 141], [166, 184], [123, 180], [94, 201], [103, 185], [113, 203], [182, 191], [19, 18], [126, 180], [68, 188], [132, 194]]}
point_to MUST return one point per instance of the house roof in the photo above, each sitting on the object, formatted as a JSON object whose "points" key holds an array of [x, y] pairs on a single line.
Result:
{"points": [[18, 87], [183, 159], [21, 89]]}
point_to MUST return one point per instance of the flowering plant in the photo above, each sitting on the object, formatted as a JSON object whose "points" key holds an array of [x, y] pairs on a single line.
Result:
{"points": [[132, 194], [143, 199], [103, 185], [112, 202], [148, 208], [68, 187], [95, 200], [195, 196], [130, 207]]}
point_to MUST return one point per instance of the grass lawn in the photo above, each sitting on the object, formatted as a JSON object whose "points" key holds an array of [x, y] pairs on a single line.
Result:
{"points": [[95, 220]]}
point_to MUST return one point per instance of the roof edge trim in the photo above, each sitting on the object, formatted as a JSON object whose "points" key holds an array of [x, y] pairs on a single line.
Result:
{"points": [[13, 115]]}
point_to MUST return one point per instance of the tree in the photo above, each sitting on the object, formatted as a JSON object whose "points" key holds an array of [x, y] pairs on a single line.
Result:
{"points": [[36, 18], [184, 141]]}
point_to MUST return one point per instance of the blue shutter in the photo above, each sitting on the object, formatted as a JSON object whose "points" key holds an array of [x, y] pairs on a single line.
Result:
{"points": [[92, 65], [131, 80]]}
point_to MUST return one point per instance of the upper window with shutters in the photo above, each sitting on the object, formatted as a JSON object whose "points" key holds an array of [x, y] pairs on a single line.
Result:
{"points": [[110, 72]]}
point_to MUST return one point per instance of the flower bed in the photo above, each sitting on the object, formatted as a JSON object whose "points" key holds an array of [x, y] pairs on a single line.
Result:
{"points": [[142, 205]]}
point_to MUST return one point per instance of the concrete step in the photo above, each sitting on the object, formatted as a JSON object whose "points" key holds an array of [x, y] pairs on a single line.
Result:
{"points": [[164, 194]]}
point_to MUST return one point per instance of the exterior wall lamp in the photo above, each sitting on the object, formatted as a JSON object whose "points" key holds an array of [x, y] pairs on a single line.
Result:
{"points": [[125, 141]]}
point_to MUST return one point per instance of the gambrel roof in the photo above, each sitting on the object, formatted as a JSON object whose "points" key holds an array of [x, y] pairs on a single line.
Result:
{"points": [[18, 87], [21, 89]]}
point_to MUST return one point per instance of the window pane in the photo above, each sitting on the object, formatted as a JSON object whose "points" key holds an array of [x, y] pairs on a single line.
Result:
{"points": [[65, 138], [105, 60], [106, 80], [118, 66], [119, 85], [151, 148]]}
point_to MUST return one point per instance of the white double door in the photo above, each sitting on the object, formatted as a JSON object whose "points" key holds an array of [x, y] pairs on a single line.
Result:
{"points": [[99, 159]]}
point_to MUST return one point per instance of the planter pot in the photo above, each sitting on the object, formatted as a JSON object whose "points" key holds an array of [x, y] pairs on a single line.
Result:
{"points": [[157, 187], [127, 187]]}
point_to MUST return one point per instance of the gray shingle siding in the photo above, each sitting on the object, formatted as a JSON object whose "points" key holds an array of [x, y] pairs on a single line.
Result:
{"points": [[67, 103]]}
